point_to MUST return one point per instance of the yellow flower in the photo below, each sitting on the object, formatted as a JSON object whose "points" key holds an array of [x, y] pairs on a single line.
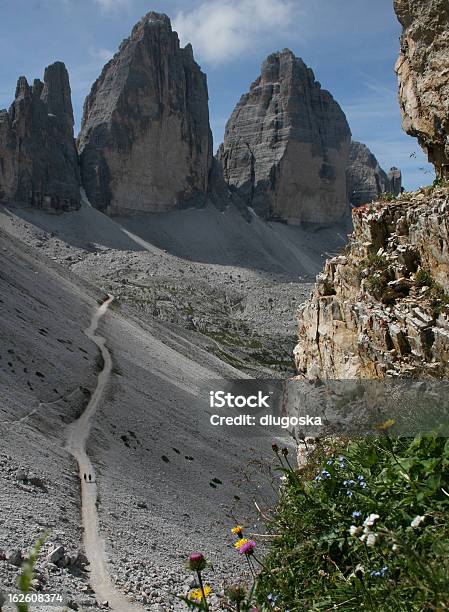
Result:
{"points": [[237, 530], [240, 542], [197, 594], [387, 424]]}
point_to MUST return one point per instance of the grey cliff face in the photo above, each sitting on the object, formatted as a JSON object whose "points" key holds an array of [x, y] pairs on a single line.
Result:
{"points": [[286, 145], [423, 74], [366, 180], [38, 158], [145, 141]]}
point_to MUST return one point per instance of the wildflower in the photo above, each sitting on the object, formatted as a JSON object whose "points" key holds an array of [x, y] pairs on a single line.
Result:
{"points": [[387, 424], [370, 520], [237, 530], [329, 462], [196, 562], [353, 530], [197, 594], [285, 451], [240, 542], [341, 461], [236, 593], [356, 514], [379, 573], [326, 474], [349, 493], [417, 521], [369, 538], [359, 572], [247, 548], [318, 478], [275, 448], [395, 547]]}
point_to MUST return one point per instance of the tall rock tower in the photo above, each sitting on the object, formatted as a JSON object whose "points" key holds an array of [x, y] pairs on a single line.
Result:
{"points": [[286, 145], [38, 158], [145, 141]]}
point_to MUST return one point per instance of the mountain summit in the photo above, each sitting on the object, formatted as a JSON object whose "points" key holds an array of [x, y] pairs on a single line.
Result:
{"points": [[145, 142], [286, 145]]}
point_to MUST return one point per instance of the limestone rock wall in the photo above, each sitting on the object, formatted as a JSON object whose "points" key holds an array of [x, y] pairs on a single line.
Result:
{"points": [[382, 308], [365, 178], [423, 73], [145, 142], [38, 158], [286, 145]]}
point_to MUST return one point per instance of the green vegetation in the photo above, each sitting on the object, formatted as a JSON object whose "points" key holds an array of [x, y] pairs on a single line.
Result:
{"points": [[366, 527], [438, 297]]}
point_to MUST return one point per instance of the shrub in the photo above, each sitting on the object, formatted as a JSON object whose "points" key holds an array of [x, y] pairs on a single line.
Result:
{"points": [[369, 531]]}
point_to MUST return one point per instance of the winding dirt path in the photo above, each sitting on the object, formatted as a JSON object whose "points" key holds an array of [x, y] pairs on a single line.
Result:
{"points": [[78, 433]]}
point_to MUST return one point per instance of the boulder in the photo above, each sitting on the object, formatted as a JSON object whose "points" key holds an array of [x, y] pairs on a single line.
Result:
{"points": [[145, 142], [56, 555], [39, 162], [423, 75], [15, 558], [286, 145]]}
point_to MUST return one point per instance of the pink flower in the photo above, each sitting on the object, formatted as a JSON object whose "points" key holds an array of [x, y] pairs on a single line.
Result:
{"points": [[247, 548], [196, 562]]}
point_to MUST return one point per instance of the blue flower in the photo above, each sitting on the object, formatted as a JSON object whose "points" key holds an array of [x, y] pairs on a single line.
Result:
{"points": [[356, 514], [349, 493], [330, 462], [326, 474], [318, 478], [360, 478]]}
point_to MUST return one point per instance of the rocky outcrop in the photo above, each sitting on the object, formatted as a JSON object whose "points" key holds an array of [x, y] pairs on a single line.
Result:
{"points": [[382, 308], [38, 158], [145, 142], [423, 72], [395, 181], [286, 145], [365, 179]]}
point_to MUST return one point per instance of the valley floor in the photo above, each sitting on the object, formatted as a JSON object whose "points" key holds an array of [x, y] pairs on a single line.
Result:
{"points": [[168, 482]]}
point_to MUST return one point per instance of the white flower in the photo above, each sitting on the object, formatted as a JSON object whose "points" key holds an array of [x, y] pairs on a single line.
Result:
{"points": [[395, 547], [354, 530], [370, 520], [417, 521], [371, 539]]}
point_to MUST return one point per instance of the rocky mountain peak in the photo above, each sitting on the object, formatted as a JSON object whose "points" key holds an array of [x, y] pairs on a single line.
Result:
{"points": [[39, 162], [286, 145], [145, 142]]}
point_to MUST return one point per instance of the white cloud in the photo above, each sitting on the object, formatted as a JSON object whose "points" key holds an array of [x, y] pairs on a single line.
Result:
{"points": [[220, 30]]}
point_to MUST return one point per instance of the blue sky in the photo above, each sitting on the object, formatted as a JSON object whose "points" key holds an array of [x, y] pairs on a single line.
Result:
{"points": [[351, 45]]}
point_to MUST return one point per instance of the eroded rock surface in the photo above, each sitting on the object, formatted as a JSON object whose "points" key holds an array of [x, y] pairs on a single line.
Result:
{"points": [[145, 142], [38, 158], [286, 145], [365, 178], [382, 308], [423, 72]]}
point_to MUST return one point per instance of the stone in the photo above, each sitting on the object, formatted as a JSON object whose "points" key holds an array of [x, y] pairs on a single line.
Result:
{"points": [[366, 180], [56, 554], [360, 324], [39, 162], [145, 142], [15, 558], [286, 145], [423, 75]]}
